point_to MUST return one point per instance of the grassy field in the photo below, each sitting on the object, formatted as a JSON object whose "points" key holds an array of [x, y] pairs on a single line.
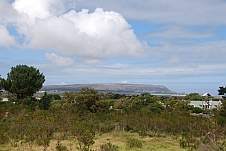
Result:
{"points": [[117, 139], [149, 143]]}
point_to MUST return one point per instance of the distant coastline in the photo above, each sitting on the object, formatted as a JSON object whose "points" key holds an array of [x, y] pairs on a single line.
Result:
{"points": [[115, 88]]}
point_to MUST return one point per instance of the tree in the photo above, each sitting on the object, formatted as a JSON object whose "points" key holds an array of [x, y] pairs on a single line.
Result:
{"points": [[85, 136], [23, 81], [87, 96], [69, 97], [222, 91], [193, 96], [44, 102]]}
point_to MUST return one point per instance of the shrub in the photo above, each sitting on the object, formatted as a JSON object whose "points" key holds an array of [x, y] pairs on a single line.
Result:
{"points": [[44, 102], [134, 143], [186, 142], [109, 147], [142, 133], [85, 136], [44, 142], [61, 148], [197, 110]]}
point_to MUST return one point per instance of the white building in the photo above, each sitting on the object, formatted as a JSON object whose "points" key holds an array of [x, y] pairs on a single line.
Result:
{"points": [[206, 104], [5, 100]]}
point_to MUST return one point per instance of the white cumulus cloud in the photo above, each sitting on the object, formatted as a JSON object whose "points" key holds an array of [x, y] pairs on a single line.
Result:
{"points": [[7, 12], [59, 61], [42, 8], [5, 38], [29, 11], [86, 35]]}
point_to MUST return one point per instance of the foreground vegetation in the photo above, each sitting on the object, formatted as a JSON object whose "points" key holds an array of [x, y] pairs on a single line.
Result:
{"points": [[117, 141], [89, 120]]}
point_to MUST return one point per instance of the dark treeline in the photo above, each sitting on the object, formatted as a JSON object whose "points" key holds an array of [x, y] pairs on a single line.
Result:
{"points": [[83, 114]]}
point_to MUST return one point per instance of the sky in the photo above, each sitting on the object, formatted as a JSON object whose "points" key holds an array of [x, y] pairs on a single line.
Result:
{"points": [[180, 44]]}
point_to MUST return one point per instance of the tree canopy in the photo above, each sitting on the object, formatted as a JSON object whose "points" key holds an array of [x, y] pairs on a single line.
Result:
{"points": [[87, 96], [193, 96], [222, 91], [23, 81]]}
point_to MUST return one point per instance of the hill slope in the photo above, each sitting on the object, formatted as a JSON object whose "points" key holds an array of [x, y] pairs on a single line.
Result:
{"points": [[117, 88]]}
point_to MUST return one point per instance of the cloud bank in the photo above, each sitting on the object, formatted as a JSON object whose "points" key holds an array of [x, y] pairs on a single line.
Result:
{"points": [[181, 12]]}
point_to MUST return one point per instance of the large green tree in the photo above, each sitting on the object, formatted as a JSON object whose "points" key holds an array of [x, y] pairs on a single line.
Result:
{"points": [[193, 96], [87, 96], [222, 91], [23, 81]]}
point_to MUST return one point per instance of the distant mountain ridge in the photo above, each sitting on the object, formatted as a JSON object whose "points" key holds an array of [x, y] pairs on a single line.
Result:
{"points": [[116, 88]]}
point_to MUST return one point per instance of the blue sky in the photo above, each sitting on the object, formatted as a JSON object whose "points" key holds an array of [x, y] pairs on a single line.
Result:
{"points": [[180, 44]]}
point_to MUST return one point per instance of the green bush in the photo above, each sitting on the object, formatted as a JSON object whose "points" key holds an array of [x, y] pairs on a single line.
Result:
{"points": [[221, 120], [186, 142], [44, 142], [85, 136], [134, 143], [197, 110], [30, 102], [61, 148], [44, 102], [109, 147], [142, 133]]}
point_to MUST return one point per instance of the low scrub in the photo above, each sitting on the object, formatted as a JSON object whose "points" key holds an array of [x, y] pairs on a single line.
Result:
{"points": [[109, 147], [134, 143], [61, 148]]}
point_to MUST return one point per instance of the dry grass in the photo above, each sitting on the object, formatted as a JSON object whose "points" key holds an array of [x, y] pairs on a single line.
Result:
{"points": [[118, 139], [149, 143]]}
